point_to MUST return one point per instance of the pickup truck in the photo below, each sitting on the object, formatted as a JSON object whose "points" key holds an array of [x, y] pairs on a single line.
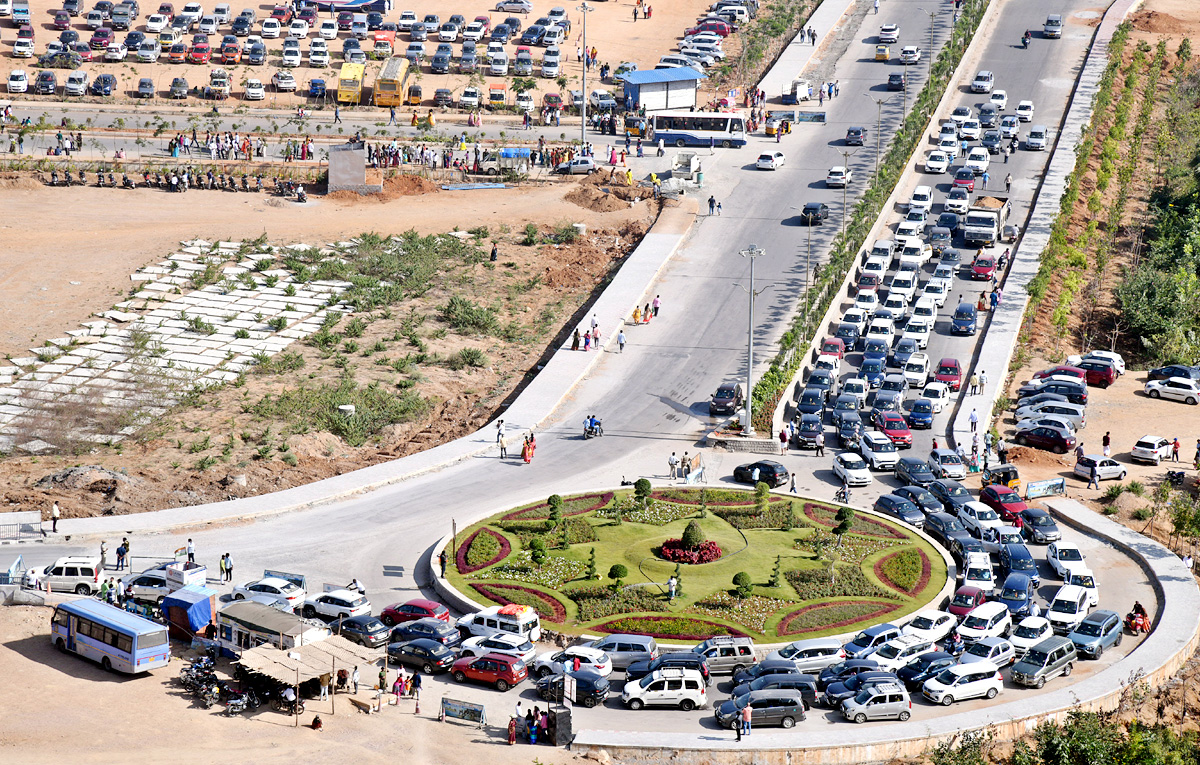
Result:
{"points": [[496, 161], [985, 219]]}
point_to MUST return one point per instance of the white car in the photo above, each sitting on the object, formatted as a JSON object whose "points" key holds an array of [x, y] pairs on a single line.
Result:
{"points": [[910, 54], [990, 619], [1083, 577], [867, 301], [919, 331], [976, 516], [271, 28], [318, 57], [156, 22], [999, 99], [898, 652], [949, 145], [937, 162], [850, 468], [94, 19], [193, 11], [448, 32], [1068, 608], [878, 450], [18, 81], [23, 49], [916, 369], [298, 29], [961, 114], [1064, 557], [881, 329], [279, 590], [969, 129], [406, 20], [931, 625], [937, 291], [469, 98], [503, 643], [984, 82], [978, 160], [770, 160], [1151, 449], [1047, 420], [964, 681], [830, 363], [291, 57], [515, 6], [857, 317], [1028, 633], [283, 81], [558, 662], [857, 387], [255, 90], [925, 308], [208, 25], [335, 604], [473, 31], [839, 177], [1025, 111], [116, 52], [921, 199], [889, 33], [1116, 359], [997, 651], [904, 284], [938, 394], [1010, 126], [977, 572], [1176, 389], [906, 231], [328, 29]]}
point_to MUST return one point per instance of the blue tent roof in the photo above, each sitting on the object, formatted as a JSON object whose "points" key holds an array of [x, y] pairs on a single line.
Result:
{"points": [[196, 602], [674, 74]]}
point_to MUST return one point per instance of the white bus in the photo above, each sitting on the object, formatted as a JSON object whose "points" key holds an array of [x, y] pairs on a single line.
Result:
{"points": [[725, 129]]}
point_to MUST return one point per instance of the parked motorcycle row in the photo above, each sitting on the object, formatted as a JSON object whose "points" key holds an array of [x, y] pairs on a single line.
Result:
{"points": [[199, 678], [176, 182]]}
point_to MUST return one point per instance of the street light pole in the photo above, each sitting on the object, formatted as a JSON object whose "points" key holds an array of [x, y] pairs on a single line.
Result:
{"points": [[929, 52], [846, 155], [751, 252], [904, 112], [879, 102], [585, 9]]}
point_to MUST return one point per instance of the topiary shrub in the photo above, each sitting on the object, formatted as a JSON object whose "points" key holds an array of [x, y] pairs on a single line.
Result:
{"points": [[693, 536], [616, 573], [743, 584]]}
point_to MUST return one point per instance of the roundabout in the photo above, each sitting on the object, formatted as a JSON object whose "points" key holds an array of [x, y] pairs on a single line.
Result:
{"points": [[745, 563]]}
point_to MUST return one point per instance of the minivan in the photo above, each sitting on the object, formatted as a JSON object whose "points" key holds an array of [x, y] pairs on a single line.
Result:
{"points": [[964, 322], [773, 707], [517, 621], [812, 655], [1047, 660], [1036, 139], [1016, 559], [626, 649], [888, 701], [1069, 607]]}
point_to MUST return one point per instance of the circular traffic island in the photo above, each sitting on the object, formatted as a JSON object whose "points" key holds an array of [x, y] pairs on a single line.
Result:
{"points": [[744, 563]]}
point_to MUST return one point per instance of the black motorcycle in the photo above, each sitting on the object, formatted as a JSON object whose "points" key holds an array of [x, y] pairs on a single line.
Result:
{"points": [[593, 429], [1175, 478]]}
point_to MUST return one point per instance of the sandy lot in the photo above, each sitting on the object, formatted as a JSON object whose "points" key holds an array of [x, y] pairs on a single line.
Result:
{"points": [[58, 707]]}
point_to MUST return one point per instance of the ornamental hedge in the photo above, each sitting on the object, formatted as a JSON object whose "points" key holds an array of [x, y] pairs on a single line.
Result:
{"points": [[599, 601], [675, 551], [547, 606], [826, 616], [667, 627], [861, 525], [482, 549], [584, 503], [847, 581], [907, 570]]}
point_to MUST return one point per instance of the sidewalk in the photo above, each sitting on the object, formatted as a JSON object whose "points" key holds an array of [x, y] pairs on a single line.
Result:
{"points": [[799, 54]]}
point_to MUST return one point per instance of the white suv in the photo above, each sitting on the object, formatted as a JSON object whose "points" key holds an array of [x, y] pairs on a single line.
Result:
{"points": [[989, 619], [671, 686], [335, 604], [976, 516], [878, 450], [898, 652], [964, 681]]}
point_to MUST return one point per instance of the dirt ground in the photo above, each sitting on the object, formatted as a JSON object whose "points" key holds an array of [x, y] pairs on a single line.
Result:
{"points": [[58, 707]]}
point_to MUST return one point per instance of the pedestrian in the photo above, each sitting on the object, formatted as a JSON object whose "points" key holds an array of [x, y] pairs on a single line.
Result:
{"points": [[646, 314], [221, 567], [793, 488], [1078, 451], [876, 7], [1175, 450], [587, 341], [837, 88], [103, 555], [228, 567], [1007, 152], [191, 551], [54, 513], [354, 679], [672, 466], [685, 465], [1107, 442], [1008, 183], [1002, 450], [820, 443], [656, 304], [1094, 477], [672, 584], [495, 252], [718, 209], [712, 205], [935, 445], [821, 97], [414, 685], [1187, 561], [746, 713], [635, 15], [982, 380], [392, 115], [986, 177], [974, 384], [987, 442], [383, 678], [575, 340], [337, 113], [974, 420], [326, 680], [621, 340], [503, 452], [442, 562]]}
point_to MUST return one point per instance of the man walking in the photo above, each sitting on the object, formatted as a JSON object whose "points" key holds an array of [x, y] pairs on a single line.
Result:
{"points": [[820, 443], [712, 205], [499, 430], [392, 115], [974, 420], [1094, 477], [1107, 442], [982, 379], [1008, 183], [354, 679], [656, 305], [191, 551], [621, 341], [442, 562], [986, 177], [228, 567], [672, 466], [672, 583], [337, 114], [503, 447]]}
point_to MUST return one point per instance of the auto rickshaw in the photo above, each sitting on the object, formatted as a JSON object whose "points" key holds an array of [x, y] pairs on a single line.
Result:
{"points": [[883, 53], [1003, 475], [637, 127], [777, 121], [414, 95]]}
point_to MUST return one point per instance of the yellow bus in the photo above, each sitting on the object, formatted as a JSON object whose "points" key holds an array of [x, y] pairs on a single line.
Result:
{"points": [[350, 84], [391, 82]]}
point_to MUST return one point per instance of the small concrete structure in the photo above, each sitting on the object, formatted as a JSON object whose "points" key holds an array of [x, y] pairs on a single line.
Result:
{"points": [[659, 89], [348, 169]]}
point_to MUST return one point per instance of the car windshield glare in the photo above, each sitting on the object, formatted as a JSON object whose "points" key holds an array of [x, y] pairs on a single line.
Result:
{"points": [[1069, 553], [889, 651], [1036, 658], [854, 462], [885, 447], [1063, 607], [975, 622], [958, 491], [922, 623], [980, 649], [1040, 520], [987, 515], [1091, 630], [979, 574], [1024, 632], [1086, 582], [1011, 594], [947, 677], [962, 599]]}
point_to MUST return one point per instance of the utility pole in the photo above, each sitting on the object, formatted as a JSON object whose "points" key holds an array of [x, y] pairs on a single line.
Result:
{"points": [[929, 53], [751, 252], [585, 9], [904, 112], [879, 102], [846, 155]]}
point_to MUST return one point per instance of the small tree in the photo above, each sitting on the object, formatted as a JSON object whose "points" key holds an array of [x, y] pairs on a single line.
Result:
{"points": [[591, 570], [743, 583], [774, 580], [789, 519], [762, 497], [693, 536], [845, 519], [678, 580], [537, 551], [642, 489], [617, 573]]}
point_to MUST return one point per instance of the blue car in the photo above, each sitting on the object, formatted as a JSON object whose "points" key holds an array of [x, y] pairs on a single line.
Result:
{"points": [[869, 640], [921, 414], [964, 321], [875, 349], [316, 89], [904, 351], [533, 35], [1017, 594], [873, 370], [1100, 630]]}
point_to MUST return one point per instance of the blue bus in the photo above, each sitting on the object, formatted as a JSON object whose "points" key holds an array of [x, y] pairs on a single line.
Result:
{"points": [[116, 639], [724, 129]]}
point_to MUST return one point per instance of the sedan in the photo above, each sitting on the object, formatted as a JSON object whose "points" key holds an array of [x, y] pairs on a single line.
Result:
{"points": [[925, 666], [766, 471], [1045, 438], [946, 463], [850, 468], [1064, 557], [255, 90], [920, 497], [814, 213], [900, 508], [363, 629], [914, 471], [429, 628], [1106, 467], [429, 656], [771, 160], [1153, 449], [417, 608], [952, 494], [1025, 111], [1176, 388], [965, 179], [575, 657], [937, 162], [892, 425]]}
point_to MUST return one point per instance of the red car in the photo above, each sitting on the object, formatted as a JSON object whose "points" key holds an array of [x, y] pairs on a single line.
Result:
{"points": [[168, 10], [282, 14], [25, 32], [200, 53], [949, 371], [85, 53], [983, 268], [1099, 373], [1004, 501], [62, 20], [965, 598], [868, 283], [101, 38], [345, 19], [418, 608], [487, 24], [892, 425], [494, 669], [1063, 370], [833, 346], [965, 179], [721, 28]]}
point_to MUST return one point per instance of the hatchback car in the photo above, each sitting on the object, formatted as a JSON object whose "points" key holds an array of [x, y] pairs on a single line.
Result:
{"points": [[952, 494], [765, 471], [921, 497], [493, 669], [417, 608], [363, 629], [1029, 632], [1042, 437], [430, 628], [774, 707], [429, 656], [965, 600], [574, 657], [851, 469], [932, 626], [1039, 526], [771, 160], [1098, 631], [1176, 389], [900, 508], [964, 681], [914, 470]]}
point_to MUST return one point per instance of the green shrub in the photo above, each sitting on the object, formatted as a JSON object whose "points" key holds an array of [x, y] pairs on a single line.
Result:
{"points": [[616, 573], [1137, 488], [743, 584], [848, 581], [693, 536], [483, 548], [1114, 491], [468, 316], [599, 601], [903, 569]]}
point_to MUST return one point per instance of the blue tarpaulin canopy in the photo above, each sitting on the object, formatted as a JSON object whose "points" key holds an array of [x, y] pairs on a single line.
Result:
{"points": [[190, 608]]}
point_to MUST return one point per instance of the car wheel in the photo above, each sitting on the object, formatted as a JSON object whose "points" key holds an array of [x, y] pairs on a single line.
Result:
{"points": [[991, 693], [82, 589], [1120, 637], [459, 677], [427, 668], [787, 722], [239, 596], [544, 672], [687, 705], [726, 144], [635, 704], [502, 685], [1041, 683], [1122, 476], [1021, 440], [904, 716], [1192, 400], [1067, 670], [738, 668], [1060, 450], [947, 700], [387, 621], [590, 702], [1155, 394], [309, 612], [1099, 650]]}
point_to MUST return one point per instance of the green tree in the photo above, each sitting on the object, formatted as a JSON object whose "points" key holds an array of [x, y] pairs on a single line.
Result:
{"points": [[693, 536], [678, 580], [537, 551], [704, 503], [845, 519], [743, 583], [522, 84], [642, 488], [616, 573], [774, 580], [762, 497], [789, 519], [591, 571]]}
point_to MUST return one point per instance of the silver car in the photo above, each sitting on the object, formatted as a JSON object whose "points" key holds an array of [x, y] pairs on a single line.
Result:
{"points": [[945, 463], [1074, 413], [812, 655], [1107, 467]]}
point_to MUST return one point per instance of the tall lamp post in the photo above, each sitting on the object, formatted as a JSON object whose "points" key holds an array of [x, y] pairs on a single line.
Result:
{"points": [[879, 102], [585, 9], [846, 155], [929, 52], [808, 223], [751, 252]]}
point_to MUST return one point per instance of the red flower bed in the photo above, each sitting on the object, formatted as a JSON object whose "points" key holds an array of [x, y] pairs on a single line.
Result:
{"points": [[785, 624], [922, 583], [674, 551], [668, 627], [547, 607], [461, 558], [863, 526], [693, 498], [573, 506]]}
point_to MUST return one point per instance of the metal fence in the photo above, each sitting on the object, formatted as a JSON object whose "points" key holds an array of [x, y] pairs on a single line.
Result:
{"points": [[23, 525]]}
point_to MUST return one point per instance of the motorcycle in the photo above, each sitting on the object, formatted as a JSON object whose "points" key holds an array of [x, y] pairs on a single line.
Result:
{"points": [[1175, 478], [301, 195], [1137, 623], [53, 177], [125, 182], [245, 182], [955, 645], [842, 495], [240, 701], [1025, 40], [259, 181], [112, 182], [281, 704], [593, 430]]}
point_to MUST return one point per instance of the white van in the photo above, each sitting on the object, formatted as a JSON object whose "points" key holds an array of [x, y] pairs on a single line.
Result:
{"points": [[77, 574], [498, 64], [734, 14], [669, 687], [511, 619]]}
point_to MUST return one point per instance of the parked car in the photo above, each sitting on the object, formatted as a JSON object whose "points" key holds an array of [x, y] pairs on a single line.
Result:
{"points": [[1153, 449], [925, 666], [964, 681], [1176, 389], [417, 608], [1029, 632], [429, 656], [774, 707], [933, 626], [335, 604], [1098, 631], [501, 642], [1039, 526], [363, 629], [995, 650], [429, 628], [765, 471], [281, 590], [901, 509], [493, 669]]}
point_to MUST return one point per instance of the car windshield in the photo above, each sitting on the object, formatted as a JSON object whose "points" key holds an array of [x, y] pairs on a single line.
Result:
{"points": [[975, 622], [987, 515], [923, 407], [980, 574], [1089, 628], [883, 446], [853, 462], [1064, 607], [1069, 553], [889, 651], [922, 623], [1011, 593], [1036, 658], [1040, 520], [952, 525], [947, 678], [981, 650], [1025, 631], [963, 599], [958, 491], [947, 370], [1086, 582], [810, 398]]}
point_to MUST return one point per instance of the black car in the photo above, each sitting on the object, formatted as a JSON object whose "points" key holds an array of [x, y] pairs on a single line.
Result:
{"points": [[814, 213], [145, 88], [1175, 370], [823, 380], [686, 659], [591, 688], [501, 33], [807, 430], [513, 24], [844, 670], [811, 401], [365, 630], [68, 37], [925, 666], [443, 97], [46, 84], [992, 141], [950, 257], [849, 334], [949, 220], [1076, 393], [920, 497], [428, 655], [850, 430], [963, 546], [429, 627], [836, 693], [914, 470], [896, 82], [104, 85], [950, 493], [134, 40], [374, 20], [899, 508], [764, 668], [440, 63], [242, 26], [533, 35], [769, 472], [61, 60], [1039, 526], [855, 136], [943, 527], [796, 681]]}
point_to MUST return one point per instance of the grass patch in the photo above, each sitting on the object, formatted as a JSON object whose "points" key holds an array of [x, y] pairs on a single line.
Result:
{"points": [[903, 569], [315, 407]]}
